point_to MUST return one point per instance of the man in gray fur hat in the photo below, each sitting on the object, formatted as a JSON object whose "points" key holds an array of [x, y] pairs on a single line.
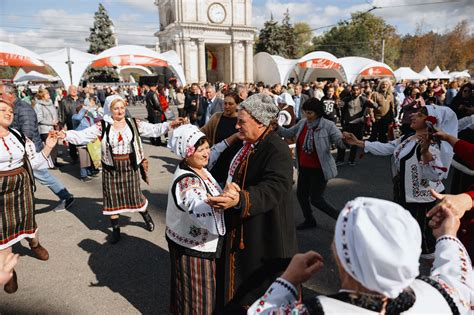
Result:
{"points": [[261, 238]]}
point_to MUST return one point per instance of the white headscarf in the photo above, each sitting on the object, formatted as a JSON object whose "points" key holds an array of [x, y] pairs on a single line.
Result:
{"points": [[448, 122], [285, 98], [183, 140], [107, 112], [378, 243]]}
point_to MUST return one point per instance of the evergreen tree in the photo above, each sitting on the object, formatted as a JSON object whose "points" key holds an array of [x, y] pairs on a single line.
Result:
{"points": [[288, 35], [270, 38], [101, 38]]}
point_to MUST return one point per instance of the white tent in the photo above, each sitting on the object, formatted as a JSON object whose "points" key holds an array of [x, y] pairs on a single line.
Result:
{"points": [[271, 69], [133, 55], [427, 73], [35, 76], [59, 59], [17, 56], [406, 73], [459, 75], [357, 68], [319, 64], [440, 74]]}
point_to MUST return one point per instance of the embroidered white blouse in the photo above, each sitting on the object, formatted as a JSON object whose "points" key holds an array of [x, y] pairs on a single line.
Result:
{"points": [[119, 139], [12, 152]]}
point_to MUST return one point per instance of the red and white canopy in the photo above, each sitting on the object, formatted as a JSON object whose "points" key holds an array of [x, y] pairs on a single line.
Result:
{"points": [[129, 55], [15, 56], [320, 64], [357, 68]]}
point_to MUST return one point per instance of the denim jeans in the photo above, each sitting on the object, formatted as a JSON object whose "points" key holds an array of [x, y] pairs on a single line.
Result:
{"points": [[45, 178]]}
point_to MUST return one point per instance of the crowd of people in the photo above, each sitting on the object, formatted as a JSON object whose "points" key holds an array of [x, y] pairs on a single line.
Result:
{"points": [[229, 222]]}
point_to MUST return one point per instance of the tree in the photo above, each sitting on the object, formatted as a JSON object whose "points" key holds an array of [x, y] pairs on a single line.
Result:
{"points": [[270, 39], [101, 38], [362, 36], [288, 35], [304, 35]]}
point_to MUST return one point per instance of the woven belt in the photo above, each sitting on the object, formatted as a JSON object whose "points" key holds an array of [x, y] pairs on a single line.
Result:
{"points": [[13, 172], [121, 157]]}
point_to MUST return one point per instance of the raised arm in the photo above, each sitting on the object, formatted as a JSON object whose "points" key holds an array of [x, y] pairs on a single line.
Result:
{"points": [[84, 136]]}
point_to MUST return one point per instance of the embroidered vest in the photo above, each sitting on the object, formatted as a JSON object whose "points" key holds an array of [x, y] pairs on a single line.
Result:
{"points": [[26, 162], [180, 227]]}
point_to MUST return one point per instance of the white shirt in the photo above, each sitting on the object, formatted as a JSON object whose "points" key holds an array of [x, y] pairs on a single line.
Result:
{"points": [[12, 152]]}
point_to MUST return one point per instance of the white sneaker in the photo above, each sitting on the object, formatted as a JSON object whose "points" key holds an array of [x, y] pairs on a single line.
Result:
{"points": [[61, 206]]}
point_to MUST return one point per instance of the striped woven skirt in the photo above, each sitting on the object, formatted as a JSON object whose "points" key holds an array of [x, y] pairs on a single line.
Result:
{"points": [[121, 188], [17, 213], [193, 284]]}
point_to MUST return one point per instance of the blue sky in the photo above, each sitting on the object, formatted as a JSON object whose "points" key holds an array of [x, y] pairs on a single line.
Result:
{"points": [[48, 25]]}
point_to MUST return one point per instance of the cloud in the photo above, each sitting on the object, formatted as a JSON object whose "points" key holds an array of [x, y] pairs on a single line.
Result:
{"points": [[145, 5]]}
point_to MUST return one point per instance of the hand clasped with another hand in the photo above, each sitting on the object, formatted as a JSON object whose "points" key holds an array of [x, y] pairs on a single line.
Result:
{"points": [[229, 198]]}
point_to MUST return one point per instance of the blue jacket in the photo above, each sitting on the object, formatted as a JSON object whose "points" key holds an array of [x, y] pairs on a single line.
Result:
{"points": [[26, 121]]}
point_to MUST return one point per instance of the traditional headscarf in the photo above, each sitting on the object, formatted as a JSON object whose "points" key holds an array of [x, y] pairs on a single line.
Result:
{"points": [[447, 121], [285, 98], [183, 140], [379, 244], [107, 112], [261, 107]]}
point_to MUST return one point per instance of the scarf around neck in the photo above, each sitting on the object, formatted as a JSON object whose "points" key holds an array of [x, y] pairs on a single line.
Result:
{"points": [[308, 144]]}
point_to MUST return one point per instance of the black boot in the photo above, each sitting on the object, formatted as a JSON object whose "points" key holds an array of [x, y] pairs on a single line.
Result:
{"points": [[150, 226], [115, 231]]}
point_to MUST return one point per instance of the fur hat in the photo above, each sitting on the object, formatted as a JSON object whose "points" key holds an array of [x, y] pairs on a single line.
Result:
{"points": [[261, 107]]}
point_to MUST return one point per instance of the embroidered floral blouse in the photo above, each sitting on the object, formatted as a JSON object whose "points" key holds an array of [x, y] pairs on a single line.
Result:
{"points": [[12, 152], [119, 139]]}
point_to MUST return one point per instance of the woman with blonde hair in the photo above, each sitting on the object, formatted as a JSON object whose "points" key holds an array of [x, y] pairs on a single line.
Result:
{"points": [[47, 117], [123, 159]]}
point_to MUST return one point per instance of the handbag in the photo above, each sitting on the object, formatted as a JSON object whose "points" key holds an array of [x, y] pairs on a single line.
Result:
{"points": [[144, 171], [94, 149]]}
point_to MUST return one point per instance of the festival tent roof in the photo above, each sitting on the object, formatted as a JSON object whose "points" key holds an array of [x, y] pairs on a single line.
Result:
{"points": [[272, 69], [133, 55], [440, 74], [58, 61], [406, 73], [427, 73], [16, 56], [459, 74], [357, 68], [35, 76], [319, 64]]}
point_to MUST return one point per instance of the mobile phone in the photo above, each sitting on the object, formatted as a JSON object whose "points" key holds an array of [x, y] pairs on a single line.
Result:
{"points": [[431, 131]]}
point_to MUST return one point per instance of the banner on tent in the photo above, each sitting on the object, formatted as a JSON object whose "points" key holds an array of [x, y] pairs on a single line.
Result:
{"points": [[13, 60], [129, 60], [376, 71], [320, 63]]}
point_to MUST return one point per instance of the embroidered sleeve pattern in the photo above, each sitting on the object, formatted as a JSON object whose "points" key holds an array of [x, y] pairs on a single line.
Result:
{"points": [[37, 160], [152, 130], [452, 269], [280, 297], [191, 196], [84, 136]]}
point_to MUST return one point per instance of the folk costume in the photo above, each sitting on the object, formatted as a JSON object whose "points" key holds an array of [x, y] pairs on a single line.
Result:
{"points": [[413, 179], [18, 158], [261, 235], [194, 231], [122, 158], [364, 227]]}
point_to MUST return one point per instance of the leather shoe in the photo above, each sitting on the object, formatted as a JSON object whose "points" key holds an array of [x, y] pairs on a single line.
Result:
{"points": [[115, 236], [150, 225], [307, 224], [12, 285], [40, 252]]}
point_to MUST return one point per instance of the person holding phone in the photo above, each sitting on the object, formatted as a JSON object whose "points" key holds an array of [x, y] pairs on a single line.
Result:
{"points": [[419, 165], [411, 104]]}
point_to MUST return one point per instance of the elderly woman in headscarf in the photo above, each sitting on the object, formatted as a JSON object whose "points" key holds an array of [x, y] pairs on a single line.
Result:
{"points": [[194, 229], [420, 164], [376, 247], [122, 160], [286, 116]]}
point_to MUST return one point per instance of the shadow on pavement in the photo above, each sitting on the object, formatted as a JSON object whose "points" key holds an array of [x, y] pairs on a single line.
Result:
{"points": [[135, 268]]}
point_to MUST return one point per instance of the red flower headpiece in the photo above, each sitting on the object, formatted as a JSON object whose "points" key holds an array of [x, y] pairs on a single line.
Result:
{"points": [[432, 119]]}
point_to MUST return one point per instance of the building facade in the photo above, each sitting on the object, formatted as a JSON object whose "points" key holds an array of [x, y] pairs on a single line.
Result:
{"points": [[214, 39]]}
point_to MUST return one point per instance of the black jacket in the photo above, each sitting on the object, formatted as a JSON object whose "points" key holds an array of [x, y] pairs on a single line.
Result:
{"points": [[266, 218], [67, 108], [153, 107]]}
